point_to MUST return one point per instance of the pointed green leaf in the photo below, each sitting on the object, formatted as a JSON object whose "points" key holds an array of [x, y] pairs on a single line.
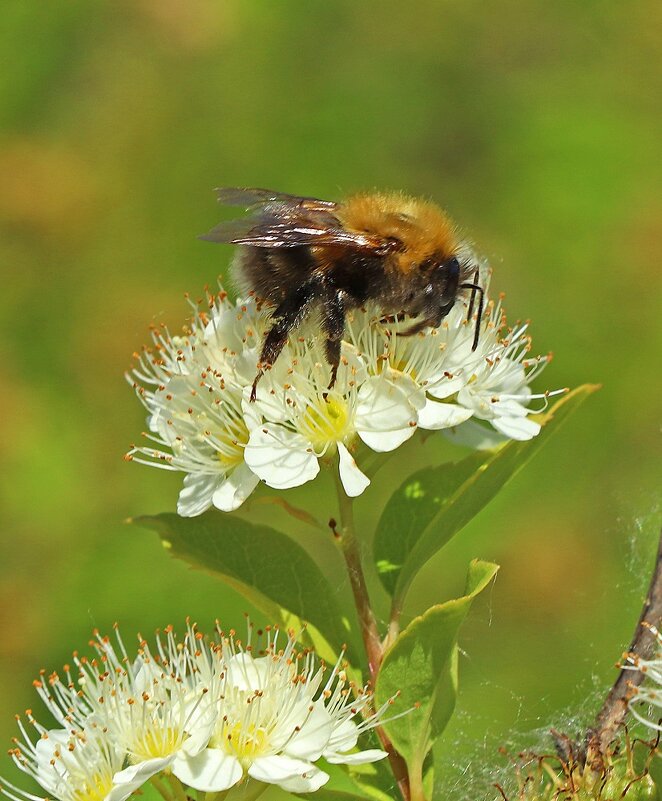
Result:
{"points": [[422, 666], [265, 566], [433, 504]]}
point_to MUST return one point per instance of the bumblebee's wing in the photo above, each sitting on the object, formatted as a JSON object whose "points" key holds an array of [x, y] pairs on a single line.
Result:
{"points": [[266, 231], [288, 221], [248, 198]]}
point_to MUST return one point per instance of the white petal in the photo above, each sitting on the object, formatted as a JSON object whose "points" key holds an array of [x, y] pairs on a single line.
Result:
{"points": [[49, 775], [176, 388], [384, 405], [353, 480], [278, 769], [472, 434], [210, 771], [121, 792], [357, 758], [481, 404], [291, 718], [344, 737], [351, 369], [201, 715], [200, 728], [135, 775], [382, 441], [435, 415], [46, 746], [275, 768], [308, 782], [252, 416], [509, 407], [145, 673], [312, 738], [196, 496], [279, 457], [445, 387], [510, 377], [235, 489], [270, 398], [247, 674], [520, 428]]}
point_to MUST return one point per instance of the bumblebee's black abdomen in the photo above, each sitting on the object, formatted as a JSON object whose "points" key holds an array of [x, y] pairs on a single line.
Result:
{"points": [[271, 274], [358, 276]]}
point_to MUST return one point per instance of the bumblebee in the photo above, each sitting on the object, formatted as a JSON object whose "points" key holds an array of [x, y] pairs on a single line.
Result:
{"points": [[300, 254]]}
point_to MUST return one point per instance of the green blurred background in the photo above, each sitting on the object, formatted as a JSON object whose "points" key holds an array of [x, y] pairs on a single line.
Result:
{"points": [[536, 124]]}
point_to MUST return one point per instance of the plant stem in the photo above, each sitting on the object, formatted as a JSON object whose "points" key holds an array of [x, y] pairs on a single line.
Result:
{"points": [[212, 796], [177, 787], [253, 790], [351, 551], [161, 788], [615, 708]]}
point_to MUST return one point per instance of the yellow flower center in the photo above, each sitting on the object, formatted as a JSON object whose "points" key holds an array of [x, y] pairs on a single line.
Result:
{"points": [[403, 366], [230, 443], [396, 363], [246, 741], [94, 788], [156, 742], [325, 421]]}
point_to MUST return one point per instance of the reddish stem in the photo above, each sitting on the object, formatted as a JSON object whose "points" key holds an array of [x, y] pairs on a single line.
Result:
{"points": [[372, 643]]}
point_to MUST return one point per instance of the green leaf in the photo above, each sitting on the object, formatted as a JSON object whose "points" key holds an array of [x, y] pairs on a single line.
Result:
{"points": [[422, 666], [265, 566], [433, 504]]}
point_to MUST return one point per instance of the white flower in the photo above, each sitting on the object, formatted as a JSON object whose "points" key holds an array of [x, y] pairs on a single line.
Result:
{"points": [[302, 421], [416, 364], [275, 717], [197, 388], [155, 709], [69, 765], [497, 382], [449, 382], [210, 714], [128, 719], [189, 386]]}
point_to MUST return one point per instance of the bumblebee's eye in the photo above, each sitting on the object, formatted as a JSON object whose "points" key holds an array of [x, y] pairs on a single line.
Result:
{"points": [[452, 267]]}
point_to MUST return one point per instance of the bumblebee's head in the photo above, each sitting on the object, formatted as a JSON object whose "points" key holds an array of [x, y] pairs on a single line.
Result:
{"points": [[449, 277], [445, 278], [441, 275]]}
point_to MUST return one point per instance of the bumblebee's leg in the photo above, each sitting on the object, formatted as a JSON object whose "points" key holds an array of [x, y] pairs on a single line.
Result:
{"points": [[473, 295], [389, 319], [421, 325], [333, 324], [288, 315]]}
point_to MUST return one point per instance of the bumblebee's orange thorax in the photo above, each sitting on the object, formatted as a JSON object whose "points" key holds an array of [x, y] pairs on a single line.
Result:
{"points": [[421, 226]]}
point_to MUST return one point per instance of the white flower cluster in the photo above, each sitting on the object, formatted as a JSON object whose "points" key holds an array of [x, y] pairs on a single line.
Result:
{"points": [[196, 388], [195, 714]]}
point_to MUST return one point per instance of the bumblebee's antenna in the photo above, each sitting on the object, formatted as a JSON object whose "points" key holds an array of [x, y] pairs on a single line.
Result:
{"points": [[475, 287]]}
